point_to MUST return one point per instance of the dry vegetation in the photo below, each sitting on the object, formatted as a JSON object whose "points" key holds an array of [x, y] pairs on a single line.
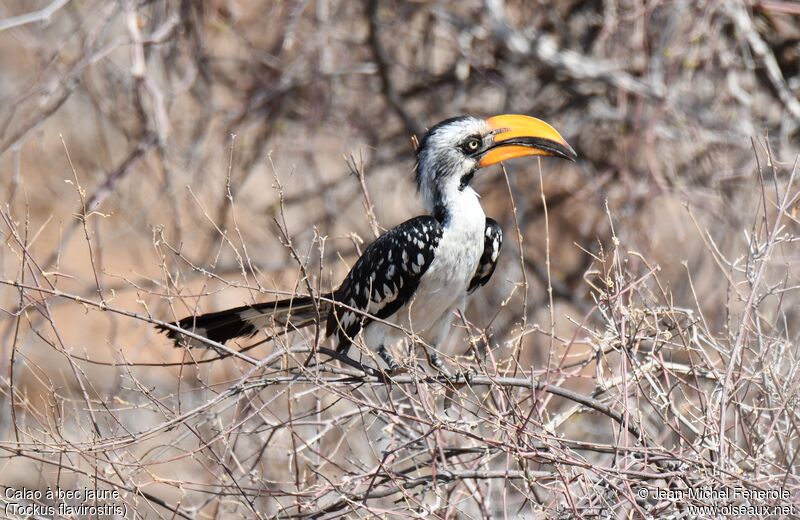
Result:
{"points": [[162, 158]]}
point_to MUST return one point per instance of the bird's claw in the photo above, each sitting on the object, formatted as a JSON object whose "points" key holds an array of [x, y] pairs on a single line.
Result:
{"points": [[444, 372], [466, 375], [436, 364], [461, 376]]}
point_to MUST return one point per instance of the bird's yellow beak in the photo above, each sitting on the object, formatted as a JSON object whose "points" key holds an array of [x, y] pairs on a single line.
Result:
{"points": [[520, 136]]}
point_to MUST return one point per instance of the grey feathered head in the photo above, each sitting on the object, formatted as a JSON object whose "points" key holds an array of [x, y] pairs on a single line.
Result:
{"points": [[452, 151]]}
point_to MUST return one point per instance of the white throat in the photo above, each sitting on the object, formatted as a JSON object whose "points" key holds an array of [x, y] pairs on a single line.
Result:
{"points": [[464, 211], [464, 229]]}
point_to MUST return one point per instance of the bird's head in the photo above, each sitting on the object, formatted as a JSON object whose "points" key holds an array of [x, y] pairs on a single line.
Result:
{"points": [[452, 152]]}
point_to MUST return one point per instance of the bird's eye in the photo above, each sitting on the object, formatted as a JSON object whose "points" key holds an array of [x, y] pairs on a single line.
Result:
{"points": [[472, 144]]}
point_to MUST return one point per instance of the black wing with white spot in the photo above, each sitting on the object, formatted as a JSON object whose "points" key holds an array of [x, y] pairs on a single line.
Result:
{"points": [[493, 241], [385, 277]]}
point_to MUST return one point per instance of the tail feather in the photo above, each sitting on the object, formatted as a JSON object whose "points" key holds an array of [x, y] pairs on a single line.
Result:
{"points": [[284, 315]]}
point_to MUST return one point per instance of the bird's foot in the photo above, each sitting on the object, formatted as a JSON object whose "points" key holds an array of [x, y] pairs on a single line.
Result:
{"points": [[436, 363], [461, 376], [465, 375]]}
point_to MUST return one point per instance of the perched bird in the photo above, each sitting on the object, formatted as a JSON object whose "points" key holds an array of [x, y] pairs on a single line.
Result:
{"points": [[414, 276]]}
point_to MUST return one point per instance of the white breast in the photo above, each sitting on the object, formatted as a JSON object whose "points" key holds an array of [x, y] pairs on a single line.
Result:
{"points": [[455, 262], [444, 284]]}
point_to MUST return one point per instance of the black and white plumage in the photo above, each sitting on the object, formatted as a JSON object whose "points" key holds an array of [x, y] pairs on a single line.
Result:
{"points": [[414, 276], [385, 277], [493, 241]]}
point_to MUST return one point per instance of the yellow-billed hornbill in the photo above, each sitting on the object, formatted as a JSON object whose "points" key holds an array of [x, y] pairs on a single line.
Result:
{"points": [[414, 276]]}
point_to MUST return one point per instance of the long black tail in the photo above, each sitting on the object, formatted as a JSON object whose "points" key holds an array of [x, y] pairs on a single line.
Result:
{"points": [[282, 315]]}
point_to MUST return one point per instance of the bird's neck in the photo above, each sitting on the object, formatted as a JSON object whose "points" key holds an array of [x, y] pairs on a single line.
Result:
{"points": [[455, 205]]}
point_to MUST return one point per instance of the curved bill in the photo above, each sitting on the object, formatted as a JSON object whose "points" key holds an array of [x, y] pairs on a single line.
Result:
{"points": [[520, 136]]}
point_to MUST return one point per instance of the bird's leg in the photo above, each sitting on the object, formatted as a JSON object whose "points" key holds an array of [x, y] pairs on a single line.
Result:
{"points": [[436, 363], [438, 337], [466, 375], [387, 358]]}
